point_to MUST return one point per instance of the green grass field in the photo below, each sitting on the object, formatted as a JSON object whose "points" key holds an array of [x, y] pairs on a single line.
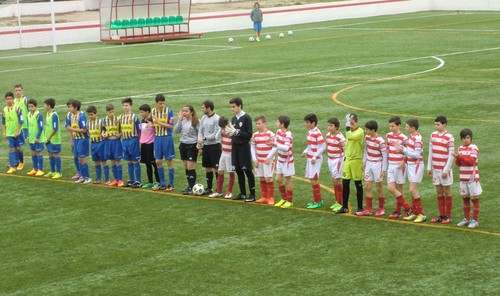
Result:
{"points": [[59, 238]]}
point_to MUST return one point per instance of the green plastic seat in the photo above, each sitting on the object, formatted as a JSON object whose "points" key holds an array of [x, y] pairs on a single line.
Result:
{"points": [[134, 23], [156, 21], [171, 20], [125, 24], [179, 19], [164, 20], [108, 24], [141, 22], [117, 24], [149, 22]]}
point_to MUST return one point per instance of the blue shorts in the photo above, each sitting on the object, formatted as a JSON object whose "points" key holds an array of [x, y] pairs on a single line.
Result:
{"points": [[164, 147], [257, 26], [15, 142], [97, 151], [54, 148], [131, 149], [37, 147], [113, 149], [81, 148]]}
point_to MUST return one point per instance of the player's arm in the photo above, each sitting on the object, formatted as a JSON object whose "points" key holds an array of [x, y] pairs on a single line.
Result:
{"points": [[137, 125], [356, 135], [253, 151], [321, 147], [4, 128], [20, 121], [416, 153], [285, 146], [449, 161], [383, 151], [40, 128], [55, 126]]}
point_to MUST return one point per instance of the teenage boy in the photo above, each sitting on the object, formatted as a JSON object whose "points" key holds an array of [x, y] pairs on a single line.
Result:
{"points": [[240, 154], [97, 154], [130, 127], [225, 133], [113, 145], [67, 124], [439, 166], [53, 139], [12, 121], [335, 143], [208, 142], [78, 128], [21, 101], [36, 137], [263, 159]]}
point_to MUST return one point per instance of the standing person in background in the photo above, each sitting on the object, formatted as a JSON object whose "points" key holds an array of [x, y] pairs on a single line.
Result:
{"points": [[163, 119], [21, 101], [12, 120], [187, 125], [53, 139], [208, 141], [241, 155], [256, 16], [439, 166]]}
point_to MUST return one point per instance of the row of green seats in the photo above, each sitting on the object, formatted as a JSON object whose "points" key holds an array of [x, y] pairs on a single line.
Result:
{"points": [[145, 22]]}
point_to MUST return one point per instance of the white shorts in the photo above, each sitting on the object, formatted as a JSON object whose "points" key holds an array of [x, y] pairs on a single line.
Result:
{"points": [[470, 188], [312, 170], [373, 171], [335, 166], [285, 169], [395, 174], [437, 179], [415, 172], [264, 170], [225, 163]]}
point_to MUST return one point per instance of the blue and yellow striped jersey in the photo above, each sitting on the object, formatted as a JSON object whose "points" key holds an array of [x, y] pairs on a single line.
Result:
{"points": [[111, 126], [129, 125], [166, 115], [95, 130], [79, 121]]}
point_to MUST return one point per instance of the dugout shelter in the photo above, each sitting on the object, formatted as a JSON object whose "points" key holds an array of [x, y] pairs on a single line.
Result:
{"points": [[123, 21]]}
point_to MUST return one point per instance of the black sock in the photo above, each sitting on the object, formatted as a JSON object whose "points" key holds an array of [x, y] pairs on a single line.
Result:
{"points": [[346, 190], [210, 179], [191, 178], [359, 193], [241, 182], [251, 182]]}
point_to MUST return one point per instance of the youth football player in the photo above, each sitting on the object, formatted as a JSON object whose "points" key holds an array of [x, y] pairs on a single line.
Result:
{"points": [[12, 121], [263, 159], [36, 137]]}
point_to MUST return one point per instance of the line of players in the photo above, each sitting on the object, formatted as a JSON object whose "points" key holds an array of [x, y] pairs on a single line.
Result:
{"points": [[232, 147]]}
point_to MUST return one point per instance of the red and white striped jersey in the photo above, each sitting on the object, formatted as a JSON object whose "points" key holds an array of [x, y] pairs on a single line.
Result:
{"points": [[440, 147], [226, 143], [284, 143], [315, 143], [414, 149], [375, 148], [392, 142], [335, 145], [467, 163], [259, 144]]}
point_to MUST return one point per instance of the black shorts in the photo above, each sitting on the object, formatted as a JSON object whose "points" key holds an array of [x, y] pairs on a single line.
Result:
{"points": [[241, 157], [188, 152], [147, 153], [211, 155]]}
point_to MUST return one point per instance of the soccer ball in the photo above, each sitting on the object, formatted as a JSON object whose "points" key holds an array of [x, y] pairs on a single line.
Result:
{"points": [[282, 35], [230, 40], [268, 37], [198, 189], [251, 39], [290, 33]]}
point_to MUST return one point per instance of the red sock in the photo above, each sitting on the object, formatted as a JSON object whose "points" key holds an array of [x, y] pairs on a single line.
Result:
{"points": [[369, 203], [316, 193], [231, 182], [448, 206], [418, 206], [399, 203], [338, 193], [442, 205], [263, 189], [467, 208], [289, 195], [381, 202], [220, 182], [404, 203], [475, 210], [270, 189], [282, 190]]}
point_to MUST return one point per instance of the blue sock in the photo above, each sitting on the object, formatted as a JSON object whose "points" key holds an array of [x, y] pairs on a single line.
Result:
{"points": [[130, 167], [161, 173], [21, 156], [106, 173], [137, 169], [40, 162], [16, 157], [115, 172], [77, 165], [84, 168], [58, 163], [98, 172], [119, 172], [34, 159], [52, 162], [171, 176], [12, 159]]}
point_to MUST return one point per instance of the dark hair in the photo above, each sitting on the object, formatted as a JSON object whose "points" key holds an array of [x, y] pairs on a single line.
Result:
{"points": [[194, 117], [441, 119], [92, 109], [285, 120], [76, 104], [412, 122], [160, 97], [261, 118], [208, 104], [127, 101], [395, 119], [32, 102], [354, 117], [110, 107], [9, 94], [69, 102], [145, 107], [18, 85], [334, 121], [237, 101], [371, 125], [51, 102], [466, 132], [311, 117], [223, 122]]}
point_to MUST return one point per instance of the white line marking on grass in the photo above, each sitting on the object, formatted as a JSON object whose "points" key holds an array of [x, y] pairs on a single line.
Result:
{"points": [[417, 29]]}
